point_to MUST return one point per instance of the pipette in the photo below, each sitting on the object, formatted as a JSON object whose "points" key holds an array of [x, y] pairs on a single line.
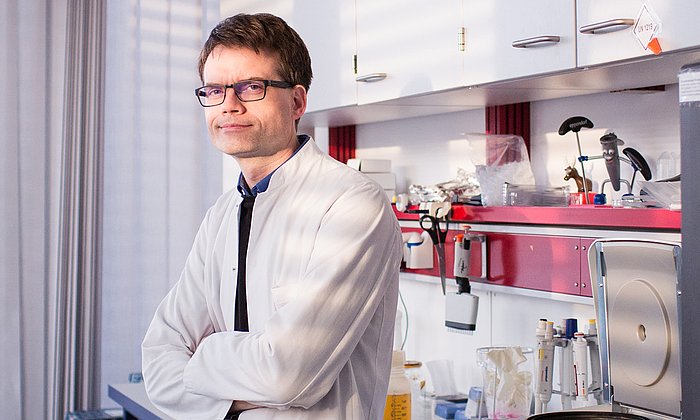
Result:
{"points": [[545, 364], [580, 349]]}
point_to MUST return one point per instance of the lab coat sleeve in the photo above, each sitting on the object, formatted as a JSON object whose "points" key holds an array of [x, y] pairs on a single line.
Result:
{"points": [[295, 360], [181, 321]]}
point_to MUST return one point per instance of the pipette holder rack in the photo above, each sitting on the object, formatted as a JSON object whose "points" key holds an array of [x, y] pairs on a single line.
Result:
{"points": [[567, 390]]}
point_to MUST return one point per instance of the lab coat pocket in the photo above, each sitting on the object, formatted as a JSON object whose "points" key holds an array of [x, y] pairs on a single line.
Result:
{"points": [[281, 295]]}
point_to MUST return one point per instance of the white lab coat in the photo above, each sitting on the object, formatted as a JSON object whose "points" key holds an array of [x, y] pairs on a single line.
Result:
{"points": [[322, 286]]}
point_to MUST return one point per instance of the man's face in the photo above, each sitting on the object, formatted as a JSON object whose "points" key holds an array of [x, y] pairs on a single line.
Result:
{"points": [[261, 129]]}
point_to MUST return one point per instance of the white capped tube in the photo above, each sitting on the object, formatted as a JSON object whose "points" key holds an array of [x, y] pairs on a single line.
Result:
{"points": [[545, 364], [580, 364]]}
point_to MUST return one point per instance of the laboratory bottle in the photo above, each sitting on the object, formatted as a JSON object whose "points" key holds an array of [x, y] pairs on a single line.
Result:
{"points": [[398, 396], [421, 408]]}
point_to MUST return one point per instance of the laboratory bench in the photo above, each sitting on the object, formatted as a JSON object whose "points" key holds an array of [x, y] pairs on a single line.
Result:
{"points": [[587, 216], [541, 248]]}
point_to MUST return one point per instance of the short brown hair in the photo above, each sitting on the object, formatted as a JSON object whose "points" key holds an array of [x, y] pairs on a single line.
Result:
{"points": [[267, 33]]}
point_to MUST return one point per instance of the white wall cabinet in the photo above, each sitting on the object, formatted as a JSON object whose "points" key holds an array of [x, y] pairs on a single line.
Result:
{"points": [[614, 39], [416, 45], [507, 40], [328, 29], [408, 52], [413, 43]]}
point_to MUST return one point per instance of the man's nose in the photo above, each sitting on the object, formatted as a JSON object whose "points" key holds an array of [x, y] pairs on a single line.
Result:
{"points": [[231, 102]]}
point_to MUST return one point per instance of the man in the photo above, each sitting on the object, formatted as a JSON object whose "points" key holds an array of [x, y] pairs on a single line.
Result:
{"points": [[286, 304]]}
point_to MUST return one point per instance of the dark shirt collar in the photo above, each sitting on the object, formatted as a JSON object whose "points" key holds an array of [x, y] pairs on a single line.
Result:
{"points": [[262, 185]]}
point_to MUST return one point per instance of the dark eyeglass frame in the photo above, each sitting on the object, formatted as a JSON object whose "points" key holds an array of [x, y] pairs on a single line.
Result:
{"points": [[237, 89]]}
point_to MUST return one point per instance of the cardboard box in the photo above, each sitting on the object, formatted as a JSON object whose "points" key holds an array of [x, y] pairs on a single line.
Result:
{"points": [[387, 180], [370, 165]]}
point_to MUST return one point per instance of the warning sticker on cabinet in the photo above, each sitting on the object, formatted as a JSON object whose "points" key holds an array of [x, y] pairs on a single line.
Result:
{"points": [[647, 28]]}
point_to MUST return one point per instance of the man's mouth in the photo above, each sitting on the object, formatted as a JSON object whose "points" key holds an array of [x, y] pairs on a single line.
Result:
{"points": [[232, 126]]}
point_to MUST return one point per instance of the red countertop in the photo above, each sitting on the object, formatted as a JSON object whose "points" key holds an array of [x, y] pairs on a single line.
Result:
{"points": [[580, 216]]}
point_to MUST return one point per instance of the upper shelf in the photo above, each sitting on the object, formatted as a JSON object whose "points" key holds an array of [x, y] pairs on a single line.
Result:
{"points": [[582, 216]]}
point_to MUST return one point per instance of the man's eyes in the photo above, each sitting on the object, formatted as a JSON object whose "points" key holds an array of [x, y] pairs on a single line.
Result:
{"points": [[250, 87], [214, 90]]}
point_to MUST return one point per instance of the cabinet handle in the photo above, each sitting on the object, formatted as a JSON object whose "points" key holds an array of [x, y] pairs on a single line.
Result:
{"points": [[372, 77], [607, 26], [535, 41], [575, 284]]}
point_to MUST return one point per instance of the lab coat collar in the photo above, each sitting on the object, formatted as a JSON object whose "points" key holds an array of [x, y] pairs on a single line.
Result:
{"points": [[263, 184], [295, 165]]}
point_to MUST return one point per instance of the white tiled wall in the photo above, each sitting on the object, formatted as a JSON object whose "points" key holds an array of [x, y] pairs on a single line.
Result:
{"points": [[430, 149], [503, 319]]}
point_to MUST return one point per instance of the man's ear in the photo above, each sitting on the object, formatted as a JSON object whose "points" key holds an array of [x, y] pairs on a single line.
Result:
{"points": [[299, 101]]}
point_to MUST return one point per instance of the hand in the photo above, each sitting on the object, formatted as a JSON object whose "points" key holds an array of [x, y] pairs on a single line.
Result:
{"points": [[238, 406]]}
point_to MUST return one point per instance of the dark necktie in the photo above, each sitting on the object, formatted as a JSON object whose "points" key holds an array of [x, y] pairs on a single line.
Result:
{"points": [[240, 320]]}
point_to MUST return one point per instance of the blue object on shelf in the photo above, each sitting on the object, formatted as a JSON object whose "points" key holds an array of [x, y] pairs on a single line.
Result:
{"points": [[476, 407], [135, 377], [462, 415], [447, 410]]}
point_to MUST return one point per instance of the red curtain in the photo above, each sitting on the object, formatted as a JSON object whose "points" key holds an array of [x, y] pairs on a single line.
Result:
{"points": [[341, 143], [508, 119], [501, 119]]}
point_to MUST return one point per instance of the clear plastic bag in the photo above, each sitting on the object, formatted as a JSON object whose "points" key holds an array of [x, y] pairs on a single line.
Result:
{"points": [[498, 159], [666, 194]]}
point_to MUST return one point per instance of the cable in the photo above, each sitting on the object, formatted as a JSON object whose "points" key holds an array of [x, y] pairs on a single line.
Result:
{"points": [[405, 311]]}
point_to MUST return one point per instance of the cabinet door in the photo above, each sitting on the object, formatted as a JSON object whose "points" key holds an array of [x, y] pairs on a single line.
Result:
{"points": [[544, 33], [328, 30], [412, 42], [616, 41], [546, 263]]}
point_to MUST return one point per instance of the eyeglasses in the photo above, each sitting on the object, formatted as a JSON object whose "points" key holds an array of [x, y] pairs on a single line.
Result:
{"points": [[245, 90]]}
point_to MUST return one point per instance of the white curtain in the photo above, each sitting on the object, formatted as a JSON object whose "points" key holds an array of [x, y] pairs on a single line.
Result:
{"points": [[159, 176], [161, 173], [32, 38], [75, 348]]}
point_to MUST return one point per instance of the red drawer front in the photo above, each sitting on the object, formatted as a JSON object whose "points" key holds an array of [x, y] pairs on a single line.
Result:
{"points": [[550, 263], [535, 262]]}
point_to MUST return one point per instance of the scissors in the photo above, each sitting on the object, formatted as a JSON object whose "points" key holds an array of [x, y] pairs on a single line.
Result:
{"points": [[431, 225]]}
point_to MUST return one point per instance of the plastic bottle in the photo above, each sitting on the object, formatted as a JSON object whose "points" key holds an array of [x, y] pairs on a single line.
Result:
{"points": [[420, 405], [398, 396], [667, 165]]}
